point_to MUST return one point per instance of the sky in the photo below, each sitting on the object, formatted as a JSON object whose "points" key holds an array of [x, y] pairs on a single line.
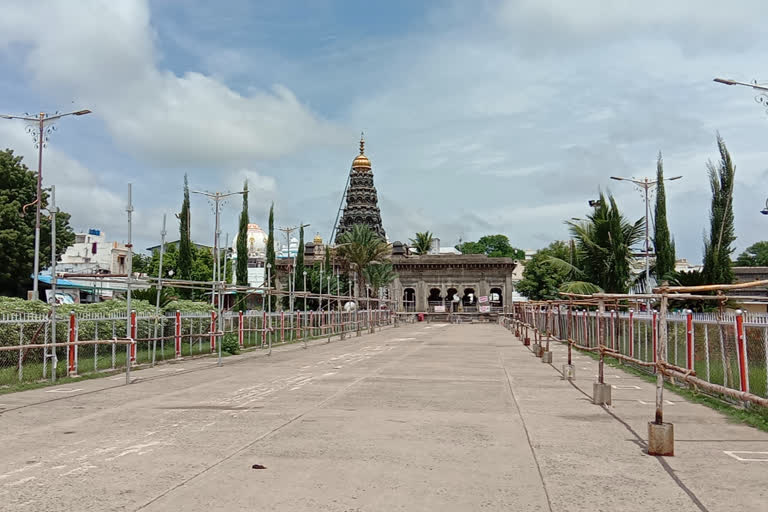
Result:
{"points": [[483, 117]]}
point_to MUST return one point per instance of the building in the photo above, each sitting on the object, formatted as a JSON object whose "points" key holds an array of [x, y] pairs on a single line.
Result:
{"points": [[362, 206], [257, 256], [92, 253], [175, 243], [754, 299]]}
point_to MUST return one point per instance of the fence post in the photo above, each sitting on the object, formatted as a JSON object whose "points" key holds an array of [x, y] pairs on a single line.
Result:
{"points": [[240, 329], [654, 329], [133, 337], [177, 334], [72, 366], [689, 339], [264, 329], [613, 330], [282, 326], [631, 333], [212, 336], [742, 351]]}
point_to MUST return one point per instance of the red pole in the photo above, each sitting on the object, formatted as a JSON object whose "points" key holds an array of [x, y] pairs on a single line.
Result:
{"points": [[264, 329], [177, 339], [655, 330], [613, 331], [631, 333], [212, 331], [298, 324], [742, 351], [689, 338], [240, 328], [72, 338], [133, 337]]}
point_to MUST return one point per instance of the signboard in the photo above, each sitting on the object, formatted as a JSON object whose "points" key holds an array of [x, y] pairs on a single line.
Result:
{"points": [[483, 299], [439, 309], [484, 309]]}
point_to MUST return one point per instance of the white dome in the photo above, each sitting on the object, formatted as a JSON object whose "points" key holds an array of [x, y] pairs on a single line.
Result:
{"points": [[257, 242]]}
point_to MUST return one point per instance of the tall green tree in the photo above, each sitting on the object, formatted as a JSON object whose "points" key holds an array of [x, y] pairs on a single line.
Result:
{"points": [[494, 246], [271, 250], [718, 245], [756, 255], [603, 245], [185, 240], [662, 242], [544, 275], [423, 242], [241, 273], [379, 275], [360, 247], [18, 187], [298, 276]]}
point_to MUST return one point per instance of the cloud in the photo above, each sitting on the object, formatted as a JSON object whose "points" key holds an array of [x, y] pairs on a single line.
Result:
{"points": [[102, 54]]}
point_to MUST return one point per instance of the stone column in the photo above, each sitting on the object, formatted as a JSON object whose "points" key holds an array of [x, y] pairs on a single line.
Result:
{"points": [[421, 296]]}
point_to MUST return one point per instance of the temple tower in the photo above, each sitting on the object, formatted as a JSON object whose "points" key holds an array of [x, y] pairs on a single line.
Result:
{"points": [[362, 202]]}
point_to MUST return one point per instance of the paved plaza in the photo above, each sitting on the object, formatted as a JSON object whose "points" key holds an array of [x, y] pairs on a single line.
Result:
{"points": [[421, 417]]}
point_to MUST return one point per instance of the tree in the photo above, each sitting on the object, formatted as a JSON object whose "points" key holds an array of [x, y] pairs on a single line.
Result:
{"points": [[718, 247], [664, 246], [756, 255], [241, 277], [185, 241], [298, 275], [18, 187], [494, 246], [603, 244], [423, 242], [543, 276], [379, 275], [359, 247], [271, 251], [140, 263]]}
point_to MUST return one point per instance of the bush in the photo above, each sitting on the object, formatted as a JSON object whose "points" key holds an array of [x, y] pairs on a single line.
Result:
{"points": [[230, 343]]}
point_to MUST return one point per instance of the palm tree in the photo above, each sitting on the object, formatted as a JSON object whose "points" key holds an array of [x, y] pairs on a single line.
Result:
{"points": [[603, 245], [379, 275], [423, 242], [360, 247]]}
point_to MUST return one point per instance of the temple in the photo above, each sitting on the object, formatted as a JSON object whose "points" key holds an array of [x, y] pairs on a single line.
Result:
{"points": [[362, 205]]}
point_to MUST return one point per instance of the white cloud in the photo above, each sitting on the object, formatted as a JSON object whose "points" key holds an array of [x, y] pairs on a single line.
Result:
{"points": [[102, 54]]}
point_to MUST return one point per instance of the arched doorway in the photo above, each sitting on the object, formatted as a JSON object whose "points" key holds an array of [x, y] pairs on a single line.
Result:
{"points": [[435, 298], [496, 298], [469, 300], [409, 299], [450, 296]]}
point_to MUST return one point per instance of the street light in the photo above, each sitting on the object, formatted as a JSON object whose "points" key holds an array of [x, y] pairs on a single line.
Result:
{"points": [[764, 211], [39, 135], [762, 96], [646, 185]]}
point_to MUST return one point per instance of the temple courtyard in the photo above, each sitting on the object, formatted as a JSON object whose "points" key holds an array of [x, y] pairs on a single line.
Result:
{"points": [[424, 416]]}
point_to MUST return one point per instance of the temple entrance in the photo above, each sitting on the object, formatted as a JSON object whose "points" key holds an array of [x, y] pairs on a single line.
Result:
{"points": [[409, 299], [496, 298], [435, 298], [450, 296], [469, 300]]}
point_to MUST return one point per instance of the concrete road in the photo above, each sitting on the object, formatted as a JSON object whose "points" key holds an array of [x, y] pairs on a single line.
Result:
{"points": [[422, 417]]}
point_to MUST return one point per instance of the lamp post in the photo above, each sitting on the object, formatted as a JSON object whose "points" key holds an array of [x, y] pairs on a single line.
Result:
{"points": [[269, 306], [39, 133], [764, 211], [646, 185], [762, 90], [305, 308]]}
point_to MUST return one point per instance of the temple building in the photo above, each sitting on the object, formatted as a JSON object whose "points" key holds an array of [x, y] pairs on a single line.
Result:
{"points": [[362, 205]]}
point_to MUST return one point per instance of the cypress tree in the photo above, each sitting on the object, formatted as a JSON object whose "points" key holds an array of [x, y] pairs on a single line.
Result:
{"points": [[184, 261], [719, 246], [271, 249], [665, 247], [242, 249], [298, 281]]}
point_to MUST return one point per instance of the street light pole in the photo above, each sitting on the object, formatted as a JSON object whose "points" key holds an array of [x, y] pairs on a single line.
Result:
{"points": [[38, 133], [646, 184], [762, 90], [305, 309]]}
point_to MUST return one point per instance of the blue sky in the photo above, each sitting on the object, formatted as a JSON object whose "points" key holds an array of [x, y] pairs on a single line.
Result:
{"points": [[480, 117]]}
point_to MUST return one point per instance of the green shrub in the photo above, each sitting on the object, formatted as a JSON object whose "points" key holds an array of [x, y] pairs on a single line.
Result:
{"points": [[230, 343]]}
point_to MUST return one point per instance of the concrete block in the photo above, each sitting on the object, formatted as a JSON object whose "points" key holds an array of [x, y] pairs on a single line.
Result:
{"points": [[601, 393], [535, 348], [661, 439], [546, 356], [569, 372]]}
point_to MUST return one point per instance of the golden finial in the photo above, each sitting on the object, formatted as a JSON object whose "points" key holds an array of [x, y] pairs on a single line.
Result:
{"points": [[362, 143]]}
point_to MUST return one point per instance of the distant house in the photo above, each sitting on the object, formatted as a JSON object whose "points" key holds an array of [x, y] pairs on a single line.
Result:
{"points": [[175, 243]]}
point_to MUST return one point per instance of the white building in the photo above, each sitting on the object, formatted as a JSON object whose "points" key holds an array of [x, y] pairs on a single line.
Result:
{"points": [[93, 254], [257, 256]]}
